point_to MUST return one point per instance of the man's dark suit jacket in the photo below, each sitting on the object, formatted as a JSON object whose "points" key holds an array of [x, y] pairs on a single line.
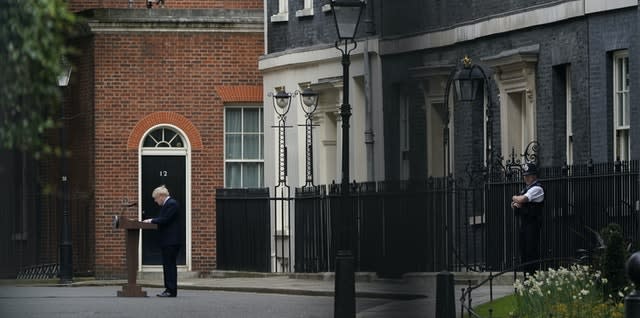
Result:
{"points": [[169, 229]]}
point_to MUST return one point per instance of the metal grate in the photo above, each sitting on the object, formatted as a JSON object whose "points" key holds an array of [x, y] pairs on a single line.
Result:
{"points": [[41, 271]]}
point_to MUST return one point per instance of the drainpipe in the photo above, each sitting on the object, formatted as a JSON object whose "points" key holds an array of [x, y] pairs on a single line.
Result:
{"points": [[368, 126], [265, 28], [369, 135]]}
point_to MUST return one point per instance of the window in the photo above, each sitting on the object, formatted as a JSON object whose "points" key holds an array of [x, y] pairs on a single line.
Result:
{"points": [[283, 6], [515, 76], [436, 117], [621, 105], [569, 113], [307, 9], [283, 12], [163, 138], [519, 121], [244, 147]]}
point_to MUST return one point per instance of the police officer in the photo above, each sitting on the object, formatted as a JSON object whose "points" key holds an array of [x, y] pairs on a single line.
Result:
{"points": [[528, 206]]}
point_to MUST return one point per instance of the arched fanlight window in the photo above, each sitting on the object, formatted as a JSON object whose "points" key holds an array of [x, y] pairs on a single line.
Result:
{"points": [[163, 138]]}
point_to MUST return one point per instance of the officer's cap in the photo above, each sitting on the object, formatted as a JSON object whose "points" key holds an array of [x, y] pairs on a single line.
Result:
{"points": [[529, 168]]}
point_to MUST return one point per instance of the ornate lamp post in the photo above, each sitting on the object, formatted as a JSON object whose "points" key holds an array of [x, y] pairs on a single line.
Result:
{"points": [[467, 78], [346, 15], [281, 105], [309, 103], [66, 254]]}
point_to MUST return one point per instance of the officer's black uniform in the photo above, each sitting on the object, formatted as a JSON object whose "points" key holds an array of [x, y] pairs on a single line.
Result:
{"points": [[530, 217]]}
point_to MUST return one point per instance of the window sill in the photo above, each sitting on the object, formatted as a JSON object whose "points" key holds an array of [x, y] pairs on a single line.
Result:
{"points": [[280, 17], [306, 12]]}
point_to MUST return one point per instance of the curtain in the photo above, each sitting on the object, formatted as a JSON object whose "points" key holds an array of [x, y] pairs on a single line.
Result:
{"points": [[234, 174], [251, 142], [252, 175], [233, 134]]}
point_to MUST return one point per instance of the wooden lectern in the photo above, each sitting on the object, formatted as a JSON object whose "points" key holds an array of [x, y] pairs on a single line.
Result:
{"points": [[132, 229]]}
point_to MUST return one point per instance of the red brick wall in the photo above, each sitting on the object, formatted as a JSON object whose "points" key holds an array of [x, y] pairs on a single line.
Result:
{"points": [[79, 5], [138, 74]]}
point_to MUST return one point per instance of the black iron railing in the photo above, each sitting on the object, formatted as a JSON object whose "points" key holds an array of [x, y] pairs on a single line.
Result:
{"points": [[439, 223], [579, 201]]}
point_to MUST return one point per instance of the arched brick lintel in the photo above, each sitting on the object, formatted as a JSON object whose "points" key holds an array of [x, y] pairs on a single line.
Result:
{"points": [[159, 118]]}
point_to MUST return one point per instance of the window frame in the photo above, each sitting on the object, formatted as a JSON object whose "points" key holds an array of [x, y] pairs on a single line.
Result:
{"points": [[569, 115], [436, 146], [242, 133], [517, 119], [621, 56], [283, 12], [307, 9]]}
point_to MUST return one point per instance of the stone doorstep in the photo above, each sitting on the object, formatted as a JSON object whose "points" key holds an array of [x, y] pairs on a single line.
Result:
{"points": [[157, 274]]}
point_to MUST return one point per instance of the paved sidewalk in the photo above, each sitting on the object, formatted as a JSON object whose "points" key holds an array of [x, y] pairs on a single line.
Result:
{"points": [[410, 295]]}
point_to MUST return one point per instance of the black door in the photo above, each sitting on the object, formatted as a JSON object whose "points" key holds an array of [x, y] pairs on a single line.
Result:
{"points": [[169, 171]]}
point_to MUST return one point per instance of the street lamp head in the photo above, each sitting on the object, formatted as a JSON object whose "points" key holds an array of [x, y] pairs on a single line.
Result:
{"points": [[281, 101], [309, 100], [346, 14], [65, 75], [468, 81]]}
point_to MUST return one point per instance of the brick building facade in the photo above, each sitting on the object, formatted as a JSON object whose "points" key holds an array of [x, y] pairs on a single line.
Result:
{"points": [[562, 73], [142, 75], [553, 80], [543, 58]]}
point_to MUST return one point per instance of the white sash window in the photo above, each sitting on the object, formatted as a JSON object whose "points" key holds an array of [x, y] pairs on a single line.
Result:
{"points": [[244, 147], [621, 105]]}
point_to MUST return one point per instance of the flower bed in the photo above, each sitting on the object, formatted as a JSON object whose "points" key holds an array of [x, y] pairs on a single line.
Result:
{"points": [[567, 293]]}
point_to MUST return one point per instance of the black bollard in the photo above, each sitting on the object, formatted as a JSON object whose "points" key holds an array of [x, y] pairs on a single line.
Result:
{"points": [[632, 301], [345, 287], [445, 298]]}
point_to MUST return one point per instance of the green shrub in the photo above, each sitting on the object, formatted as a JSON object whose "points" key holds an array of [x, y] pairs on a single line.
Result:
{"points": [[614, 259]]}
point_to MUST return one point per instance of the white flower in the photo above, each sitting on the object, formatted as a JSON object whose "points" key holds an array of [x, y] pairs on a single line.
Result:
{"points": [[584, 292], [620, 294]]}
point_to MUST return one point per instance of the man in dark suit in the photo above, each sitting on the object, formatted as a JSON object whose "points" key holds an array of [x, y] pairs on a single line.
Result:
{"points": [[169, 238]]}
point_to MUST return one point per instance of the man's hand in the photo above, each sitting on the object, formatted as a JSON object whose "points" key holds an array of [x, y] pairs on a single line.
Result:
{"points": [[519, 199], [147, 221], [515, 205]]}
